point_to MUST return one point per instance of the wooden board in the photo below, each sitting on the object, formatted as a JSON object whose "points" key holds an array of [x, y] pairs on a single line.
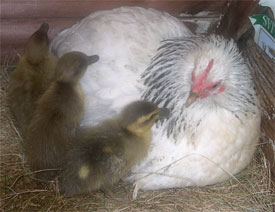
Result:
{"points": [[235, 17], [264, 77], [20, 18], [80, 8]]}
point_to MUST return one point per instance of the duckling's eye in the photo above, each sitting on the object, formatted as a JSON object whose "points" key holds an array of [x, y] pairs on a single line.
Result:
{"points": [[153, 116], [80, 66], [150, 118]]}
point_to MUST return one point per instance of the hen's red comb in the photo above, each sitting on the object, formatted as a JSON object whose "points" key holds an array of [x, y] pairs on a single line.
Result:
{"points": [[208, 68], [200, 79]]}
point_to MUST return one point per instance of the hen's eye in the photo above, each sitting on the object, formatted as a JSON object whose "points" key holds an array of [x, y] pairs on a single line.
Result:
{"points": [[215, 85]]}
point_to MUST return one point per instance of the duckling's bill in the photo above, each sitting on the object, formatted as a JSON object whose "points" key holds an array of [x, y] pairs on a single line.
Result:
{"points": [[93, 58], [164, 113]]}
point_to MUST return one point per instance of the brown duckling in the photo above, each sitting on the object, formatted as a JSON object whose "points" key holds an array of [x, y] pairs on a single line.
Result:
{"points": [[32, 76], [102, 155], [57, 116]]}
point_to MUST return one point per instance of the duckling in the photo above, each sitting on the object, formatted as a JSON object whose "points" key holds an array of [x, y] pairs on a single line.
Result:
{"points": [[102, 155], [57, 116], [32, 76]]}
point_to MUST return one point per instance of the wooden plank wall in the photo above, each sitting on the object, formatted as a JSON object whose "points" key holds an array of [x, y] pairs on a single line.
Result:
{"points": [[235, 18], [264, 76], [20, 18], [263, 72]]}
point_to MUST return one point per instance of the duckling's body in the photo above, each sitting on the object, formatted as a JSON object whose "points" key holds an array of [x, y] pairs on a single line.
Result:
{"points": [[103, 154], [32, 76], [57, 116]]}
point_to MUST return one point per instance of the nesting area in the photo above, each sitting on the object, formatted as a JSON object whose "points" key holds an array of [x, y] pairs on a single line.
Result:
{"points": [[250, 190]]}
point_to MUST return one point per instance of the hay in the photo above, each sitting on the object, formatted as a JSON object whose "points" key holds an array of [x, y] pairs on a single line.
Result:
{"points": [[19, 191]]}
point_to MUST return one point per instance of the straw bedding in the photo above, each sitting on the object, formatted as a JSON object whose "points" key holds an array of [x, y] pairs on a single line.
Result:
{"points": [[20, 191]]}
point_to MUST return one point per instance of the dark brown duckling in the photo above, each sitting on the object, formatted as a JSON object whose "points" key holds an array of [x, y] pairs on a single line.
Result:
{"points": [[32, 76], [57, 116], [102, 155]]}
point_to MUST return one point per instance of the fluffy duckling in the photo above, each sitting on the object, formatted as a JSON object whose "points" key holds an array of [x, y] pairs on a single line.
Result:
{"points": [[103, 154], [57, 116], [32, 76]]}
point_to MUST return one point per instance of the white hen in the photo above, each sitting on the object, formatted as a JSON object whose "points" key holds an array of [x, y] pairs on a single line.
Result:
{"points": [[214, 125]]}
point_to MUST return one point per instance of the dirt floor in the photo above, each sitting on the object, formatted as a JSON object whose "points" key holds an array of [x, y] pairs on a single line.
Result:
{"points": [[249, 191]]}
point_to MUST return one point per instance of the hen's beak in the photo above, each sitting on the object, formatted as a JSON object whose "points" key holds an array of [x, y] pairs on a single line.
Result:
{"points": [[191, 98]]}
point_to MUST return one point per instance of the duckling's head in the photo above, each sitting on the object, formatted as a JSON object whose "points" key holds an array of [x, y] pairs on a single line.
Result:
{"points": [[37, 47], [71, 66], [138, 117]]}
